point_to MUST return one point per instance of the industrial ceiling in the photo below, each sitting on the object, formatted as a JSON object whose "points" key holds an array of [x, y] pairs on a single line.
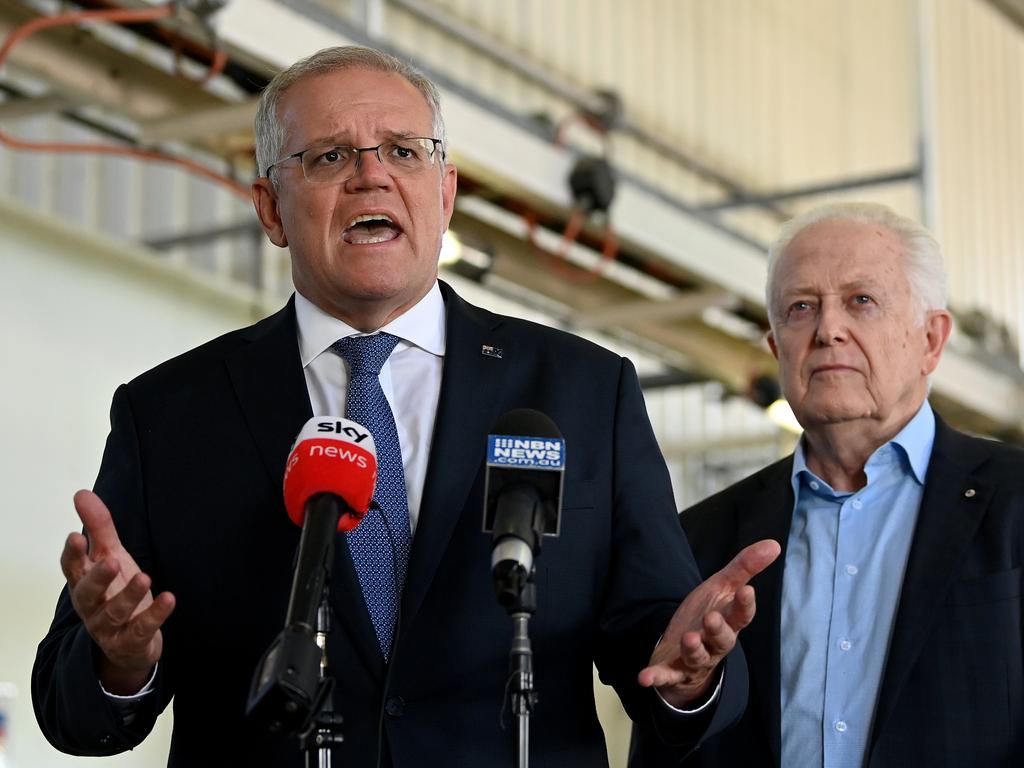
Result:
{"points": [[676, 281]]}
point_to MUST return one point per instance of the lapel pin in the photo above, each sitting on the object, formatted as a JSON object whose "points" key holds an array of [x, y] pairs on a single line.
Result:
{"points": [[489, 351], [969, 493]]}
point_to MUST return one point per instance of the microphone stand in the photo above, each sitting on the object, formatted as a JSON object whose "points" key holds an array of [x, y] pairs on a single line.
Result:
{"points": [[517, 533], [520, 688], [325, 724], [291, 691]]}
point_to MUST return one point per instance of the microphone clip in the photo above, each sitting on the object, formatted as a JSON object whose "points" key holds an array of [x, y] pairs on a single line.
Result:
{"points": [[517, 536]]}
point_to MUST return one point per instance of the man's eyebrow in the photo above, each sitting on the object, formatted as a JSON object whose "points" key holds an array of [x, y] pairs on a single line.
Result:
{"points": [[858, 284], [863, 284]]}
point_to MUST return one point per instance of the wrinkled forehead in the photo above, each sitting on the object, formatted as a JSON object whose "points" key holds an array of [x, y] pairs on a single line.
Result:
{"points": [[352, 105], [839, 254]]}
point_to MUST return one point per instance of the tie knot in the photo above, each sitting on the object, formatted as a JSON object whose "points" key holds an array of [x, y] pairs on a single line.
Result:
{"points": [[366, 354]]}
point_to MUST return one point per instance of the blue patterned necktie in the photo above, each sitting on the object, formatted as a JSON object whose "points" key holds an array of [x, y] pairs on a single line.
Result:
{"points": [[380, 543]]}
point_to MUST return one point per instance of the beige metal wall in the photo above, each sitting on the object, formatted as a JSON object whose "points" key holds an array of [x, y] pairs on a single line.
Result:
{"points": [[978, 104], [781, 94], [774, 93]]}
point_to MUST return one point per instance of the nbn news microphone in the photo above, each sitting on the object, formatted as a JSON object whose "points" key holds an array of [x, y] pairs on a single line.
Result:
{"points": [[522, 496], [328, 485]]}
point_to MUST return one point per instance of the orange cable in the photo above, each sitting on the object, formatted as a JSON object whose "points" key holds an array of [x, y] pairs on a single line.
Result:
{"points": [[560, 265], [122, 16]]}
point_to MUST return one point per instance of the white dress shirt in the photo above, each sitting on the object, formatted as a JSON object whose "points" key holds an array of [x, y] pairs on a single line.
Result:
{"points": [[410, 378]]}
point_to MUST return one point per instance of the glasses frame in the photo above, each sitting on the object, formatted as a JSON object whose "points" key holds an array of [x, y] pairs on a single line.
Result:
{"points": [[359, 154]]}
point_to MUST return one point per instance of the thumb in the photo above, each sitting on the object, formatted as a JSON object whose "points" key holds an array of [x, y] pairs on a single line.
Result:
{"points": [[97, 521], [750, 561]]}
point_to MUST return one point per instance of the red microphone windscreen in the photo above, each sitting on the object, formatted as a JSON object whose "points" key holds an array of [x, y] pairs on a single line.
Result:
{"points": [[336, 456]]}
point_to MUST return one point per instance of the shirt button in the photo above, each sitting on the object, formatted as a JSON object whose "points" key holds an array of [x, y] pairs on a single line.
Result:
{"points": [[841, 726], [845, 645], [856, 504], [814, 485], [852, 570]]}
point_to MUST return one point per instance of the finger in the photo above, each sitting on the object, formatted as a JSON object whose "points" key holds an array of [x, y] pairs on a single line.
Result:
{"points": [[146, 624], [740, 611], [750, 561], [694, 653], [97, 521], [679, 665], [74, 560], [718, 638], [659, 675], [90, 593], [118, 610]]}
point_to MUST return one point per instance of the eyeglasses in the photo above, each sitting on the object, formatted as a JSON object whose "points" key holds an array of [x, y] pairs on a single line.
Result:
{"points": [[328, 163]]}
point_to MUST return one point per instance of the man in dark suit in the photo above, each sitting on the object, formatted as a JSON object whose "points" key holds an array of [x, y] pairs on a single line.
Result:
{"points": [[890, 631], [182, 581]]}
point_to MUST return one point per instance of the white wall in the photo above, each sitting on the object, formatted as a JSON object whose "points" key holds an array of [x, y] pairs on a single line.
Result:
{"points": [[76, 319]]}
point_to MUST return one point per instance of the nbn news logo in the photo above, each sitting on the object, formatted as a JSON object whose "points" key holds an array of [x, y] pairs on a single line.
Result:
{"points": [[528, 452]]}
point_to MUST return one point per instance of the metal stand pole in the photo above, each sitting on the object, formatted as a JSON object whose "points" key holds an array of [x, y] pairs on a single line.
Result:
{"points": [[325, 726], [521, 670]]}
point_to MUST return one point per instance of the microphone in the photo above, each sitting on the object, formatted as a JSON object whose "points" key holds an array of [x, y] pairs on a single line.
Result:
{"points": [[522, 495], [328, 485]]}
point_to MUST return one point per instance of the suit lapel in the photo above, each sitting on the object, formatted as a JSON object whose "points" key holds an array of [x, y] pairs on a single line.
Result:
{"points": [[767, 514], [267, 378], [271, 389], [946, 524], [471, 396]]}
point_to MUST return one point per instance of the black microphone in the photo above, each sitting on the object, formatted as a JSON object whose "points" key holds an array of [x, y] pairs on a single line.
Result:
{"points": [[522, 496], [328, 485]]}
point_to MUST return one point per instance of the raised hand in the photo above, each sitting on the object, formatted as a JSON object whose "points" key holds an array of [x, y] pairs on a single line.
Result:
{"points": [[705, 628], [112, 597]]}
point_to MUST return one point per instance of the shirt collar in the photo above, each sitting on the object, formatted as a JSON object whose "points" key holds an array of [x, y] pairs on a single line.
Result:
{"points": [[915, 440], [422, 325]]}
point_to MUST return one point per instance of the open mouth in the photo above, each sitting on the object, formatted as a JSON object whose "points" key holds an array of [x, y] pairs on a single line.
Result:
{"points": [[370, 228]]}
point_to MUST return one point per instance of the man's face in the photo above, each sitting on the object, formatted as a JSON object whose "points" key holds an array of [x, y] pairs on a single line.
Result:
{"points": [[363, 274], [847, 333]]}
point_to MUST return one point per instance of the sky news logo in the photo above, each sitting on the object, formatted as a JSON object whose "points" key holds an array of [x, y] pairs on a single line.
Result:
{"points": [[528, 452]]}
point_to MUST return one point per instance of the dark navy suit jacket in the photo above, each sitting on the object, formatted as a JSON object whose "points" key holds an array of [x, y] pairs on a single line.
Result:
{"points": [[192, 473]]}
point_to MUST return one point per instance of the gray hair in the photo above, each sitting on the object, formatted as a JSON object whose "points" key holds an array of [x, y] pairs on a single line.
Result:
{"points": [[922, 256], [270, 134]]}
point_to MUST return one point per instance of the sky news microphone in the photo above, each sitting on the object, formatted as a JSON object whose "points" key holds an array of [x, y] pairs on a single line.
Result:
{"points": [[522, 496], [328, 485]]}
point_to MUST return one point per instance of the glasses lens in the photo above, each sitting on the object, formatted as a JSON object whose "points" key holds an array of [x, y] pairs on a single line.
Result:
{"points": [[407, 155], [328, 163], [400, 157]]}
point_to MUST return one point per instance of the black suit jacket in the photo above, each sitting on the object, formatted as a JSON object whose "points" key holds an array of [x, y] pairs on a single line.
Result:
{"points": [[952, 690], [192, 473]]}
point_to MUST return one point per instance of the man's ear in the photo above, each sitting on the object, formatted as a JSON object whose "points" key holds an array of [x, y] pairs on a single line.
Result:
{"points": [[264, 198], [937, 326], [449, 183], [770, 338]]}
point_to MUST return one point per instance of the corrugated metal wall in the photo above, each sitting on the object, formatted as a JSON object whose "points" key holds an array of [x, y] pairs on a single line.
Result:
{"points": [[978, 87], [783, 94], [775, 94]]}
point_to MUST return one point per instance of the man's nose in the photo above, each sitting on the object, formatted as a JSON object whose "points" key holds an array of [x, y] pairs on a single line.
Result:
{"points": [[369, 170], [832, 324]]}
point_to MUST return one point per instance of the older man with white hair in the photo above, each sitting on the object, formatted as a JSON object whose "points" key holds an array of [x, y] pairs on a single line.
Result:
{"points": [[889, 632]]}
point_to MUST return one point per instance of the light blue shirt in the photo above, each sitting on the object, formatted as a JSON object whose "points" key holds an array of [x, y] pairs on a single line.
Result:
{"points": [[844, 568]]}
